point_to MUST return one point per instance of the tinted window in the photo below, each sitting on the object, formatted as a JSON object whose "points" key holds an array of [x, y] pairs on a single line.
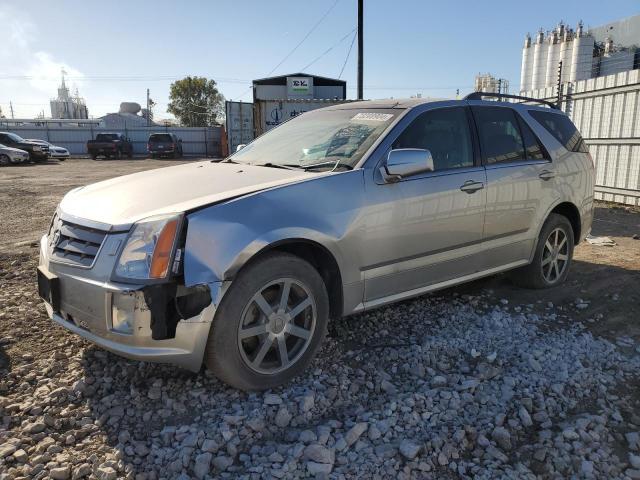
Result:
{"points": [[562, 128], [532, 145], [106, 137], [444, 132], [160, 137], [499, 133]]}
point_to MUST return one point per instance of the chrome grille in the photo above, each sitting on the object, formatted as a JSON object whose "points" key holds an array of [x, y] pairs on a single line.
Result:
{"points": [[74, 244]]}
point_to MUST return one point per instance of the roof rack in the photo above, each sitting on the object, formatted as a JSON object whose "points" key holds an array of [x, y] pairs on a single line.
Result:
{"points": [[481, 95]]}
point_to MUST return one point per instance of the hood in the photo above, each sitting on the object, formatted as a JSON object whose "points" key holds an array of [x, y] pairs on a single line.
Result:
{"points": [[11, 149], [122, 201]]}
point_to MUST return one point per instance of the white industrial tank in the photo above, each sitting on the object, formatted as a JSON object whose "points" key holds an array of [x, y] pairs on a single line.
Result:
{"points": [[527, 63], [539, 62], [582, 55], [553, 55]]}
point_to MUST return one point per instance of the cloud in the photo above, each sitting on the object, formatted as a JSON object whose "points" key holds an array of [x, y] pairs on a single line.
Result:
{"points": [[33, 75]]}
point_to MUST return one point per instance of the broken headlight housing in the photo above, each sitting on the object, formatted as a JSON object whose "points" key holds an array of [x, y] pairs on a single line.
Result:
{"points": [[149, 251]]}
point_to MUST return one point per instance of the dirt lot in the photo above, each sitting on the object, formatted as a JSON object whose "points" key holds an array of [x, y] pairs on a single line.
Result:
{"points": [[388, 396]]}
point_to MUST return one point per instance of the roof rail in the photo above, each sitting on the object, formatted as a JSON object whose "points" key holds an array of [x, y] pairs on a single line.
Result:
{"points": [[481, 95]]}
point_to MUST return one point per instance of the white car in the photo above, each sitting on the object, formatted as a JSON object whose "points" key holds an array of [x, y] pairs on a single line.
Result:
{"points": [[12, 155], [54, 151]]}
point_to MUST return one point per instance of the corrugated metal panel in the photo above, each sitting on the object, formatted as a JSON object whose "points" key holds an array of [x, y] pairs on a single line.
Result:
{"points": [[199, 141], [239, 123], [271, 113]]}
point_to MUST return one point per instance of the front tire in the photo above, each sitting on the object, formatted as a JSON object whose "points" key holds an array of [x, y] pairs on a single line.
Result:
{"points": [[553, 255], [270, 323]]}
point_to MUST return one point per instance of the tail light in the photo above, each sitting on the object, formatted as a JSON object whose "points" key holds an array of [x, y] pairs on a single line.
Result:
{"points": [[148, 146]]}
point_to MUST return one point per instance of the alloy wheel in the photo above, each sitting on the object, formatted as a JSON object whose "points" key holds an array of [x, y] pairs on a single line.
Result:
{"points": [[555, 255], [277, 326]]}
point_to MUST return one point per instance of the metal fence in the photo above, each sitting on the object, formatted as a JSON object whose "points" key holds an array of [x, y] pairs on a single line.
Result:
{"points": [[606, 110], [196, 141]]}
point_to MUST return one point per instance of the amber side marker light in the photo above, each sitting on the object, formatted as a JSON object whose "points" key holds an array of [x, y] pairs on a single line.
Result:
{"points": [[162, 253]]}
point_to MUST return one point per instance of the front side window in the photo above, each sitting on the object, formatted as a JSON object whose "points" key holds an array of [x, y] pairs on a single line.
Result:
{"points": [[562, 128], [500, 138], [15, 138], [445, 133], [320, 140]]}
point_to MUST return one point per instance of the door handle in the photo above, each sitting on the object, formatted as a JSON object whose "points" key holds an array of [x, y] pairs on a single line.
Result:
{"points": [[547, 175], [471, 186]]}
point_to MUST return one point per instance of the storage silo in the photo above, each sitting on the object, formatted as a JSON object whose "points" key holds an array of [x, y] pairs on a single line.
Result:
{"points": [[539, 62], [553, 57], [566, 51], [527, 61], [582, 55]]}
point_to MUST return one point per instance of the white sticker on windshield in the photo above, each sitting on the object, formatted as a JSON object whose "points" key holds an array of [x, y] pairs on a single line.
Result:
{"points": [[372, 117]]}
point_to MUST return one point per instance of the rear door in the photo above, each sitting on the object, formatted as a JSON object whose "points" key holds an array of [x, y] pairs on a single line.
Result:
{"points": [[520, 185], [426, 229]]}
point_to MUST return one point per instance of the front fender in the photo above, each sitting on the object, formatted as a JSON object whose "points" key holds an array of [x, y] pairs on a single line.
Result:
{"points": [[222, 238]]}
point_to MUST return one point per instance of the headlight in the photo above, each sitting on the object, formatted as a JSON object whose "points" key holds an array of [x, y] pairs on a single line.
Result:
{"points": [[36, 148], [149, 248]]}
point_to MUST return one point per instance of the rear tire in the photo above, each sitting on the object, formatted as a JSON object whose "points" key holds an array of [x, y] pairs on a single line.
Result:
{"points": [[5, 160], [251, 350], [553, 255]]}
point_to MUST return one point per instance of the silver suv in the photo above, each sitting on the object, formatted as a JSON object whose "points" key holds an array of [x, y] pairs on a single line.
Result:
{"points": [[240, 264]]}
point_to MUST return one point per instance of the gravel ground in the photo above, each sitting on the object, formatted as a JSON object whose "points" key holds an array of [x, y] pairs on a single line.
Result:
{"points": [[481, 381]]}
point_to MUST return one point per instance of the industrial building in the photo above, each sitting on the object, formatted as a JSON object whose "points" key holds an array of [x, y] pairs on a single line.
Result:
{"points": [[485, 82], [126, 117], [276, 99], [68, 106], [584, 53]]}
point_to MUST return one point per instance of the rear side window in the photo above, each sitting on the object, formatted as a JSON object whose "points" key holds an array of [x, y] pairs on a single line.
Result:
{"points": [[160, 137], [562, 129], [445, 133], [533, 147], [500, 137]]}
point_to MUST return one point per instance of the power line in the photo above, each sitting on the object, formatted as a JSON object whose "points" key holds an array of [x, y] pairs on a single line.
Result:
{"points": [[348, 53], [328, 50], [305, 37]]}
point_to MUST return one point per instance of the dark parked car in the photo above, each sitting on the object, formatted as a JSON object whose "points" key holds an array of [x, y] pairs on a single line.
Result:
{"points": [[110, 145], [167, 144], [37, 151]]}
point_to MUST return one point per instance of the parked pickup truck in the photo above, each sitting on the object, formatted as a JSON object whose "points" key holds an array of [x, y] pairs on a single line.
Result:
{"points": [[110, 145], [37, 152]]}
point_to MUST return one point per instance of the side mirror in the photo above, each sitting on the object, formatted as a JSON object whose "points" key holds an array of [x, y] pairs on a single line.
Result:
{"points": [[405, 162], [240, 147]]}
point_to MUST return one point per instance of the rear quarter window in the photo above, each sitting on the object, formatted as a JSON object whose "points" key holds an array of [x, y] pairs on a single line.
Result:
{"points": [[562, 129]]}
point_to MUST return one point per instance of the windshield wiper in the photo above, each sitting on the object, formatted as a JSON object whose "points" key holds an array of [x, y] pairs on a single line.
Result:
{"points": [[278, 165], [332, 165]]}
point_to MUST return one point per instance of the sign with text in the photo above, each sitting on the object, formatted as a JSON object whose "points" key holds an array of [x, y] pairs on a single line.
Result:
{"points": [[300, 87]]}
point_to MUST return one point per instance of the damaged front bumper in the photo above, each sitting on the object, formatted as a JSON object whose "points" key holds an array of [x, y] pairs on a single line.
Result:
{"points": [[135, 321]]}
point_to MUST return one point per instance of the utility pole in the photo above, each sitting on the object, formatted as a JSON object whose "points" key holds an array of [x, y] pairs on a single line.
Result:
{"points": [[148, 111], [11, 108], [559, 101], [360, 49]]}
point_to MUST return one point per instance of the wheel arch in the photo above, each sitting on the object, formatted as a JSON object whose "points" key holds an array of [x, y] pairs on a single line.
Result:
{"points": [[571, 212], [568, 210], [316, 254]]}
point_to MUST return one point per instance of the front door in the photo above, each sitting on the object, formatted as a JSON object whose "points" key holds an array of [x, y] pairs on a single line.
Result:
{"points": [[426, 229]]}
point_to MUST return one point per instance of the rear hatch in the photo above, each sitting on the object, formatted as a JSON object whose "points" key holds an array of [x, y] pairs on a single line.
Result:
{"points": [[161, 142]]}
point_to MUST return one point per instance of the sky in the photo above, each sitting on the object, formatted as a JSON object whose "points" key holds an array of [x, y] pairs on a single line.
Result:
{"points": [[113, 51]]}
